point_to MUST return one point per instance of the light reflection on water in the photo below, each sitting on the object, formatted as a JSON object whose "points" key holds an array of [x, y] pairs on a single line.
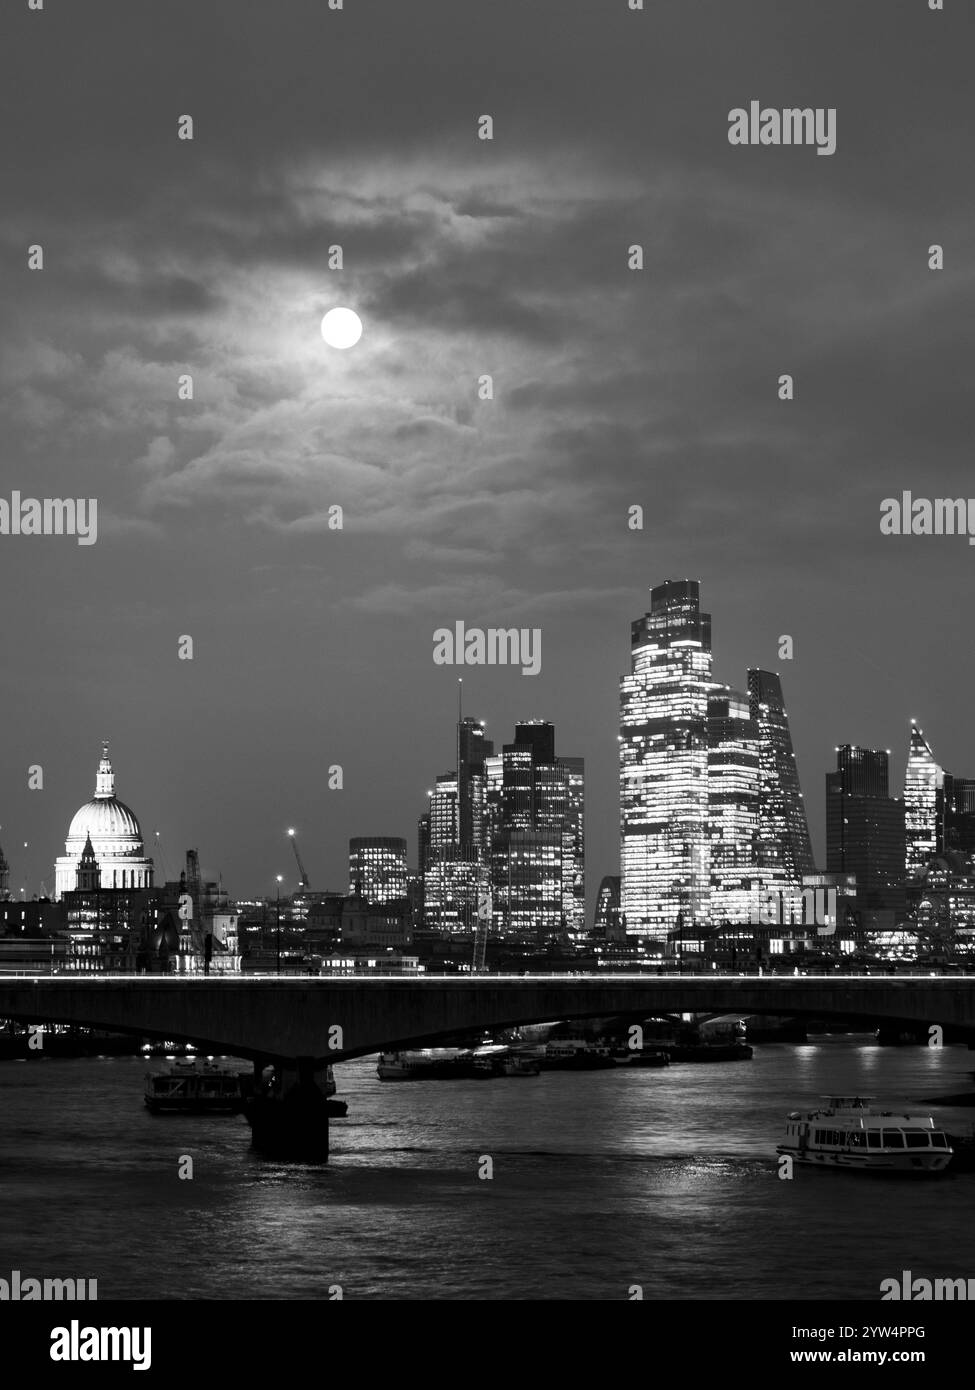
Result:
{"points": [[666, 1178]]}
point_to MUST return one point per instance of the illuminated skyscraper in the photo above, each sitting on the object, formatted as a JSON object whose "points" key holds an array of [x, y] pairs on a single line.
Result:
{"points": [[451, 870], [664, 764], [734, 786], [574, 848], [784, 848], [923, 804], [865, 834], [377, 868], [535, 812]]}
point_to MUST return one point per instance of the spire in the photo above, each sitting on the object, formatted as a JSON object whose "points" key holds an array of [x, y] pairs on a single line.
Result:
{"points": [[88, 876], [105, 781]]}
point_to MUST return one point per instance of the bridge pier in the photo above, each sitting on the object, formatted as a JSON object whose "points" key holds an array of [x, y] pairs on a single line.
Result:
{"points": [[289, 1119]]}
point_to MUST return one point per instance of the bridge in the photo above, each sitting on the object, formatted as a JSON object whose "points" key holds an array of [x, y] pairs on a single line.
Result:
{"points": [[302, 1023]]}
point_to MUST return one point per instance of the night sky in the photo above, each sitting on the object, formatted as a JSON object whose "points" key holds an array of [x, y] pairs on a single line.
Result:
{"points": [[612, 388]]}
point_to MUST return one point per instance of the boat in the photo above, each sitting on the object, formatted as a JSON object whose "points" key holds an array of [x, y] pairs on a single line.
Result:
{"points": [[640, 1056], [520, 1064], [846, 1133], [455, 1064], [576, 1054], [431, 1064], [194, 1089]]}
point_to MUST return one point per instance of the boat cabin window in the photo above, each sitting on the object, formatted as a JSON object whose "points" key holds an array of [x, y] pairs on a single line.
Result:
{"points": [[873, 1138], [938, 1140], [916, 1138], [893, 1139], [857, 1139]]}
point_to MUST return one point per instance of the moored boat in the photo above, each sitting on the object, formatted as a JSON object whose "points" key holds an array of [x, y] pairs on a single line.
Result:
{"points": [[193, 1088], [576, 1054], [430, 1064], [520, 1064], [846, 1133], [640, 1056]]}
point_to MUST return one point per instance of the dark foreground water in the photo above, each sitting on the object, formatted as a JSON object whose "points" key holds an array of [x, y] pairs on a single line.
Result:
{"points": [[665, 1179]]}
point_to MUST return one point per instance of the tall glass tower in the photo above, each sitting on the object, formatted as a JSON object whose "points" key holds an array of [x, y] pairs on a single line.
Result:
{"points": [[923, 804], [663, 750], [734, 789], [784, 848]]}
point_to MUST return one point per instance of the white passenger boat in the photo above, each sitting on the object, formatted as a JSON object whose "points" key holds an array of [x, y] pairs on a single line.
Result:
{"points": [[847, 1133]]}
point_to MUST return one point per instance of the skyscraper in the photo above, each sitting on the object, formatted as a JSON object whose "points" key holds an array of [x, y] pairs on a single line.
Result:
{"points": [[959, 815], [377, 867], [784, 848], [574, 848], [472, 749], [535, 815], [451, 868], [923, 804], [865, 834], [4, 878], [663, 753], [734, 788]]}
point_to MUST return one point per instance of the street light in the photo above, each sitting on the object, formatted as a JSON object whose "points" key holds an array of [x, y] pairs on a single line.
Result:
{"points": [[277, 918]]}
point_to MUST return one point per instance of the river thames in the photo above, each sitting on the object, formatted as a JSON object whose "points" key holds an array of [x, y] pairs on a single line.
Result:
{"points": [[602, 1181]]}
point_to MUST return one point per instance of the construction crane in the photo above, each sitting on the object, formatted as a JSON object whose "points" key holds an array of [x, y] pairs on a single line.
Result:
{"points": [[305, 885]]}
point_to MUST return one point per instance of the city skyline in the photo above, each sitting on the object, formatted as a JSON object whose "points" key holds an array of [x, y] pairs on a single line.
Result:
{"points": [[758, 690], [613, 388]]}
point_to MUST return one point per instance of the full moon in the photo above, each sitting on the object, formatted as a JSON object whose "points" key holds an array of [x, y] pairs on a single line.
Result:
{"points": [[341, 328]]}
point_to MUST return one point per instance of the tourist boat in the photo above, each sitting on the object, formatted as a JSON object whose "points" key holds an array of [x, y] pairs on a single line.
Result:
{"points": [[195, 1089], [847, 1133]]}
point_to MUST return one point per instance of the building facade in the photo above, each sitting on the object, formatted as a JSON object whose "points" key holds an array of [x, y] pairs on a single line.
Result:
{"points": [[734, 796], [663, 765], [865, 835], [377, 864], [923, 805], [784, 847]]}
